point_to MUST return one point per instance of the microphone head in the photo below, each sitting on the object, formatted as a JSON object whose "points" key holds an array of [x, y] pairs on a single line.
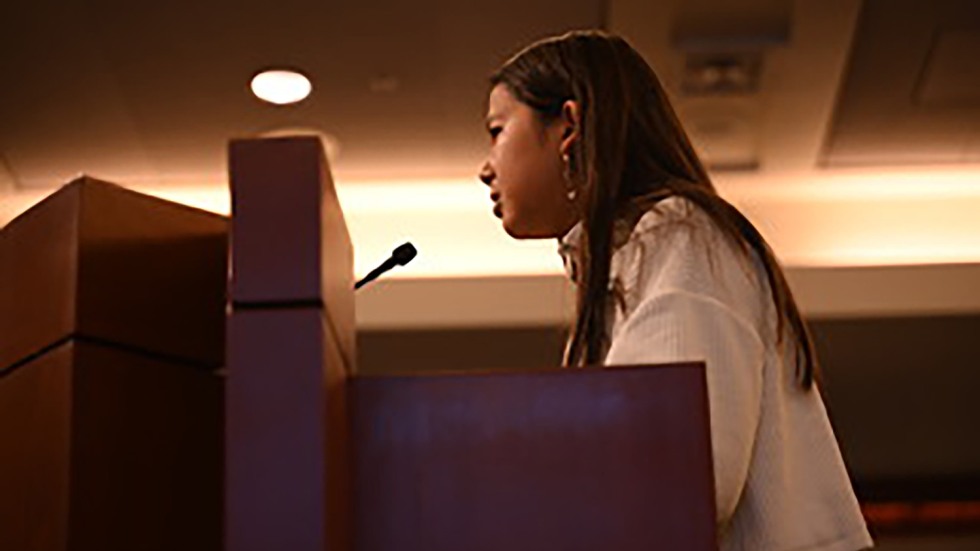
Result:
{"points": [[403, 254]]}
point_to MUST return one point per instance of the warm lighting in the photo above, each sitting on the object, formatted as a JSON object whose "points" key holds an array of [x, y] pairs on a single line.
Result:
{"points": [[818, 219], [450, 221], [857, 184], [452, 224], [866, 216], [281, 87], [14, 204]]}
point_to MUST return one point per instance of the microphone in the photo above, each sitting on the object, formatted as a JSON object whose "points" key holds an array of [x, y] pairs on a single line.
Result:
{"points": [[403, 254]]}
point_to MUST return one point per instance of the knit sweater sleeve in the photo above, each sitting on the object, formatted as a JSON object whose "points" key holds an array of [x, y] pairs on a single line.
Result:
{"points": [[674, 325]]}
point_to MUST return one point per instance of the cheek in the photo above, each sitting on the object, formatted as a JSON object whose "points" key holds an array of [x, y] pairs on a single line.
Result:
{"points": [[532, 199], [525, 173]]}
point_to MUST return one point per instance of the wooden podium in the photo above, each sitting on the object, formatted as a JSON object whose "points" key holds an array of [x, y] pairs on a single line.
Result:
{"points": [[111, 406], [319, 458]]}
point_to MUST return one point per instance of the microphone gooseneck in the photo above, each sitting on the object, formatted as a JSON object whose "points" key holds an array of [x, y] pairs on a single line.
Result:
{"points": [[402, 255]]}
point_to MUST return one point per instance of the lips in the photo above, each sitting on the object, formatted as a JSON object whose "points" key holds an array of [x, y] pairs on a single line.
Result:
{"points": [[497, 206]]}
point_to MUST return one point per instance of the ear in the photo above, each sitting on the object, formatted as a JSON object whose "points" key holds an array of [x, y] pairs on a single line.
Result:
{"points": [[571, 125]]}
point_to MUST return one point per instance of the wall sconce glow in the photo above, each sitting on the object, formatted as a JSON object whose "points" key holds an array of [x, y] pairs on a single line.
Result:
{"points": [[281, 87]]}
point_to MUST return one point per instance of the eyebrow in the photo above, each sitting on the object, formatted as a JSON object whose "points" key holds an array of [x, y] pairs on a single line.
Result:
{"points": [[490, 119]]}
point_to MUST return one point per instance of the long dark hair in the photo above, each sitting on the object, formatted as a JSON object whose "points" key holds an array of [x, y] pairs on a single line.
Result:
{"points": [[633, 151]]}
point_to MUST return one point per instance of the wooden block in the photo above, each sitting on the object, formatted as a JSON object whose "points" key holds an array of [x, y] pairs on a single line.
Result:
{"points": [[102, 262], [290, 244]]}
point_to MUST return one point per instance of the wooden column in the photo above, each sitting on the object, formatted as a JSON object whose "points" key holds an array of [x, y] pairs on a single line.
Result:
{"points": [[290, 350]]}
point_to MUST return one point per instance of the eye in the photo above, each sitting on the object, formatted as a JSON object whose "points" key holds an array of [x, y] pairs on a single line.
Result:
{"points": [[494, 131]]}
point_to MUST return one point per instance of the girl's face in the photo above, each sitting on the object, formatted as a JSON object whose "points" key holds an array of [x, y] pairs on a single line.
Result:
{"points": [[524, 169]]}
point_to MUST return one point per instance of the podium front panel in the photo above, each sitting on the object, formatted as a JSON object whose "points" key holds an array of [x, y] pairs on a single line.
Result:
{"points": [[560, 460]]}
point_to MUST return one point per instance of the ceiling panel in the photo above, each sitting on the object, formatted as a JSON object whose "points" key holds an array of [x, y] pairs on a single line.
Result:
{"points": [[912, 92], [952, 72]]}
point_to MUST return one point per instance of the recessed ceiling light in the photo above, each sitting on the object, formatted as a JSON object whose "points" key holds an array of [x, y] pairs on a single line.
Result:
{"points": [[281, 86]]}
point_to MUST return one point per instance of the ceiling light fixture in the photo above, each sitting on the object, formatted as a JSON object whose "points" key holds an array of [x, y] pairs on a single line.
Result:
{"points": [[281, 86]]}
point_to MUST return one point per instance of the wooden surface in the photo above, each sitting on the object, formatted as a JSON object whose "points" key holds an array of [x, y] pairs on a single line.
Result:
{"points": [[109, 450], [100, 261], [290, 351], [158, 262], [555, 460], [35, 465], [290, 243], [146, 461], [111, 327], [287, 469], [38, 269]]}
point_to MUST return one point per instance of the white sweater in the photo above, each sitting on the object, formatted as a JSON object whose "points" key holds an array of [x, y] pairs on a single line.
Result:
{"points": [[689, 294]]}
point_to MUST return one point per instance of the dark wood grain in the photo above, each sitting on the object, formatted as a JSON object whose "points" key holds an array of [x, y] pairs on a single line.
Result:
{"points": [[146, 453], [109, 450], [35, 464]]}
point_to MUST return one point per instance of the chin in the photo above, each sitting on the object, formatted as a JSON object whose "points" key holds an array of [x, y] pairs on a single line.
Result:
{"points": [[514, 233], [523, 232], [510, 229]]}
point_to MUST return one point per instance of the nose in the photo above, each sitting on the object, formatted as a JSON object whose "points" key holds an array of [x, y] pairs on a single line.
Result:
{"points": [[486, 173]]}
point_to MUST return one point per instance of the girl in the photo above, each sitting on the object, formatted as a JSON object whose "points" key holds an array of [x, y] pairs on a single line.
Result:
{"points": [[586, 148]]}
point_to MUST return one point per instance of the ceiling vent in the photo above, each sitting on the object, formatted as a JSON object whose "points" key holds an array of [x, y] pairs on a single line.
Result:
{"points": [[721, 74]]}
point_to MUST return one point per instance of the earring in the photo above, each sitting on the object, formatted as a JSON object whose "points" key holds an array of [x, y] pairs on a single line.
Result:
{"points": [[572, 192]]}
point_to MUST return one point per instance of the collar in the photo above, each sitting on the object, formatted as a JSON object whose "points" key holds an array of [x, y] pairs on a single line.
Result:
{"points": [[570, 243], [568, 246]]}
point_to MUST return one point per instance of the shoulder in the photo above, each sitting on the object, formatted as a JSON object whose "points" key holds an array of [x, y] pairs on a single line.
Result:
{"points": [[677, 236], [677, 246]]}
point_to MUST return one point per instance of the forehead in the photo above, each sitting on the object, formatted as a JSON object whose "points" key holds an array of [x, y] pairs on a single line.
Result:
{"points": [[501, 101]]}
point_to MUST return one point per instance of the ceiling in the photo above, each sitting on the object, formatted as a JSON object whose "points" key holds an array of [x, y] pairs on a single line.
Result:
{"points": [[137, 92], [912, 90], [151, 93]]}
